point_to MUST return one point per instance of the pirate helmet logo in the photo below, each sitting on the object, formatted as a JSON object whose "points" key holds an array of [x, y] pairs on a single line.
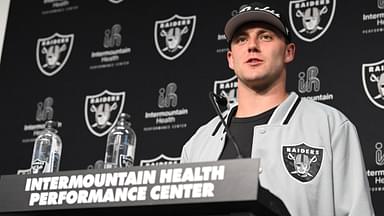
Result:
{"points": [[227, 88], [302, 161], [173, 35], [102, 111], [52, 52], [160, 160], [373, 81], [116, 1], [311, 19]]}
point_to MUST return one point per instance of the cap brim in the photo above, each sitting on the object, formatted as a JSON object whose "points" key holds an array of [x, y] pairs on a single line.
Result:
{"points": [[252, 16]]}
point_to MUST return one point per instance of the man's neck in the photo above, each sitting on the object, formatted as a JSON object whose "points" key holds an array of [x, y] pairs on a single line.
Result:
{"points": [[251, 103]]}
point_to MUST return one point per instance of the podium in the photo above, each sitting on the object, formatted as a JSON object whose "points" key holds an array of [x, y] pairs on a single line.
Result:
{"points": [[227, 187]]}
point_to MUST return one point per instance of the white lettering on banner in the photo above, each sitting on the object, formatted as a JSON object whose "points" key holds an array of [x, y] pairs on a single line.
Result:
{"points": [[379, 180], [130, 186], [373, 16], [91, 196], [189, 174], [110, 52], [182, 191], [87, 181], [266, 9], [377, 177], [34, 127], [177, 112], [307, 4], [372, 173], [321, 97], [377, 68]]}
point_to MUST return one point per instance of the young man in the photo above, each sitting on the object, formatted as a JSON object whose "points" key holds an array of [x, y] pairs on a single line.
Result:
{"points": [[310, 153]]}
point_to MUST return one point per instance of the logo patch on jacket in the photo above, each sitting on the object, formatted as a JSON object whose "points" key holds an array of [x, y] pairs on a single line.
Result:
{"points": [[302, 161]]}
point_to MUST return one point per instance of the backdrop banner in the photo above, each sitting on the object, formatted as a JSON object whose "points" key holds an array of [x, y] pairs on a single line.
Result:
{"points": [[84, 62]]}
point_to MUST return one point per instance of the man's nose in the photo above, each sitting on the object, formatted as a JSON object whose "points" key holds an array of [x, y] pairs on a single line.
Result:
{"points": [[253, 44]]}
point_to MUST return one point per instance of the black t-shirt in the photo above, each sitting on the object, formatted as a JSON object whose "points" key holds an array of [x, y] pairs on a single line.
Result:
{"points": [[242, 131]]}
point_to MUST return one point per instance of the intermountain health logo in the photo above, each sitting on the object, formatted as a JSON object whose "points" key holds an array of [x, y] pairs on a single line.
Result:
{"points": [[376, 173], [173, 35], [114, 52], [373, 18], [310, 19], [102, 111], [373, 82], [169, 115], [58, 6], [167, 96], [379, 154], [44, 112], [309, 85], [53, 52], [380, 4]]}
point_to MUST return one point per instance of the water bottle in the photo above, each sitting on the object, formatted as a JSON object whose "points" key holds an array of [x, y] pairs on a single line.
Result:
{"points": [[121, 144], [47, 150]]}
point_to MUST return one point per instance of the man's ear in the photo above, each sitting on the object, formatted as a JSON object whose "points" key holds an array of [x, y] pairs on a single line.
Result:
{"points": [[290, 51], [230, 59]]}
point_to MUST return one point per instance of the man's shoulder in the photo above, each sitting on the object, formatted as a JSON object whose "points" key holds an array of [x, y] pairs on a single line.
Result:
{"points": [[197, 143], [212, 128], [320, 110], [210, 125]]}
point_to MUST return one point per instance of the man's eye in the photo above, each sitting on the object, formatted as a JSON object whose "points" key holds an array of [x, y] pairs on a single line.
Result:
{"points": [[241, 39], [266, 37]]}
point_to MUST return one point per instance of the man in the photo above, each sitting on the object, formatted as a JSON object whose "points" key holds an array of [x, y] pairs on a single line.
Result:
{"points": [[310, 153]]}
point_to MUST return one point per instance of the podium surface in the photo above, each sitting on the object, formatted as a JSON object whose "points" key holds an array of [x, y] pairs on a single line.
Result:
{"points": [[206, 188]]}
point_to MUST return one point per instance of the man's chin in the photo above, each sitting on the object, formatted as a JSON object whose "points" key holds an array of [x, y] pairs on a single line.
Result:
{"points": [[259, 84]]}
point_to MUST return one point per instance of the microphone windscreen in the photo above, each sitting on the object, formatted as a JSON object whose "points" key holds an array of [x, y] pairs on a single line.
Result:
{"points": [[221, 100]]}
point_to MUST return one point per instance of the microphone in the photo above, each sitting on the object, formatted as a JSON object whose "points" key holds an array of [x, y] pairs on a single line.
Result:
{"points": [[218, 99], [221, 100]]}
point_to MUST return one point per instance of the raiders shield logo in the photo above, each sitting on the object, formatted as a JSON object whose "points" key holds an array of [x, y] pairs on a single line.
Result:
{"points": [[116, 1], [227, 88], [52, 52], [160, 160], [303, 162], [310, 19], [102, 111], [373, 82], [173, 35]]}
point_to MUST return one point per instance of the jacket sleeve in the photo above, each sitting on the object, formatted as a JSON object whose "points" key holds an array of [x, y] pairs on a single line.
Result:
{"points": [[186, 151], [351, 187], [184, 155]]}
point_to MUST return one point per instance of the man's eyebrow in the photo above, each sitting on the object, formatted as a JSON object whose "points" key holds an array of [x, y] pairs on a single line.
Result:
{"points": [[267, 30], [240, 33]]}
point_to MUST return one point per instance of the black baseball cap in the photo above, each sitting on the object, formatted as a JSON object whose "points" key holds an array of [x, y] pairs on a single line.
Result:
{"points": [[256, 12]]}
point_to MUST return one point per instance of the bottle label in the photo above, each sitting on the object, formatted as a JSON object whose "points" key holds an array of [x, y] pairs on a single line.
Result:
{"points": [[38, 166], [55, 162], [125, 161]]}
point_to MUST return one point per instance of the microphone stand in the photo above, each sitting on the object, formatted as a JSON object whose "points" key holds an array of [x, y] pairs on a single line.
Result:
{"points": [[212, 98]]}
